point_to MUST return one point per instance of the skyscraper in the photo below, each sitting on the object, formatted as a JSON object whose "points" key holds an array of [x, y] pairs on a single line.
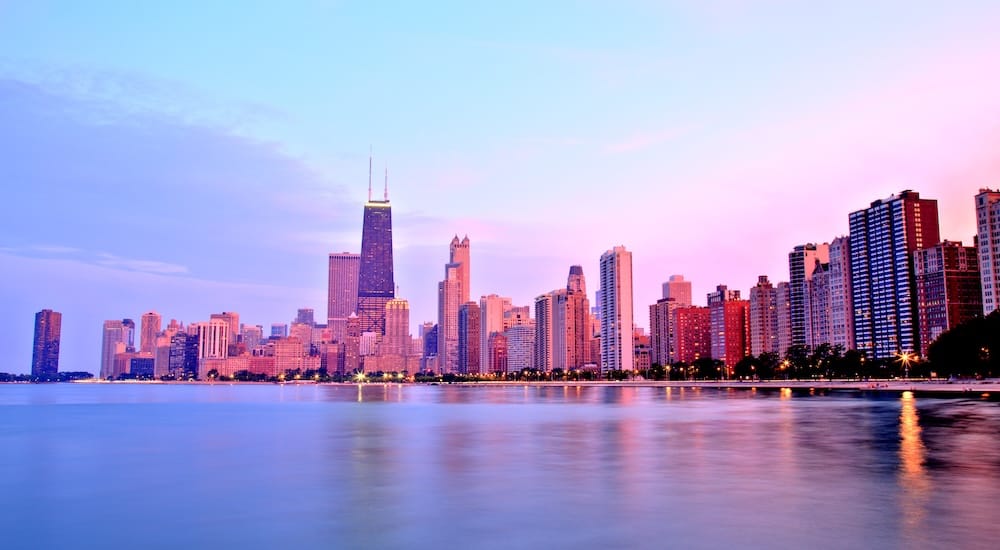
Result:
{"points": [[448, 302], [342, 291], [305, 316], [763, 317], [728, 318], [150, 327], [661, 330], [884, 237], [375, 276], [459, 253], [692, 334], [572, 319], [45, 354], [397, 328], [492, 310], [469, 328], [817, 306], [803, 261], [988, 235], [841, 301], [948, 289], [545, 328], [678, 289], [783, 314], [117, 337], [617, 342]]}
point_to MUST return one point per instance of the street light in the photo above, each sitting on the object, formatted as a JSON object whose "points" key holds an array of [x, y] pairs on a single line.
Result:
{"points": [[906, 358]]}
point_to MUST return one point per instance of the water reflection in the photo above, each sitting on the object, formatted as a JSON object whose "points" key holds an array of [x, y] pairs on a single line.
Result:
{"points": [[913, 478]]}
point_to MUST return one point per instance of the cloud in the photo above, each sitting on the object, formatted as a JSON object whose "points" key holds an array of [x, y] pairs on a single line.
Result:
{"points": [[148, 266]]}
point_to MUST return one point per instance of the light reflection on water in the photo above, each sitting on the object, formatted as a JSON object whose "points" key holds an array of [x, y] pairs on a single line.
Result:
{"points": [[384, 465]]}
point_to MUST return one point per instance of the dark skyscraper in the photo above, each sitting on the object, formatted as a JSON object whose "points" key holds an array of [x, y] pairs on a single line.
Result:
{"points": [[45, 358], [375, 282]]}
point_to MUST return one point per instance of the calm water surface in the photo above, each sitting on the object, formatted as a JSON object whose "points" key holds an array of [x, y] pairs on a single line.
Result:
{"points": [[263, 466]]}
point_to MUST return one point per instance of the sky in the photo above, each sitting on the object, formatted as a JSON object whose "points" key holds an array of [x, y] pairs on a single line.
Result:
{"points": [[198, 157]]}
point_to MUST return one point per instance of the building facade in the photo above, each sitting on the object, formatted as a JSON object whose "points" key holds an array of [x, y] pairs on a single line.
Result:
{"points": [[949, 289], [728, 319], [469, 329], [376, 285], [617, 345], [988, 237], [45, 352], [884, 237], [342, 291]]}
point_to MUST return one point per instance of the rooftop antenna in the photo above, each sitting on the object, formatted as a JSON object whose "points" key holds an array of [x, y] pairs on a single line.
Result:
{"points": [[369, 173], [387, 182]]}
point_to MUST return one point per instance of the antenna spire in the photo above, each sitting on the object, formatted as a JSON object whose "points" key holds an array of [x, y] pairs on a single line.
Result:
{"points": [[387, 182], [369, 173]]}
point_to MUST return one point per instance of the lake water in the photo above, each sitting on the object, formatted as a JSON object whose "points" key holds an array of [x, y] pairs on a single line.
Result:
{"points": [[265, 466]]}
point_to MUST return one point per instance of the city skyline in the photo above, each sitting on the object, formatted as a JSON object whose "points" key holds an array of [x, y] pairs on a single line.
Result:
{"points": [[792, 167]]}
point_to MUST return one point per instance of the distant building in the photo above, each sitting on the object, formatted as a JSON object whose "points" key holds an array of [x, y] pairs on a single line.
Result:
{"points": [[459, 253], [141, 366], [342, 291], [616, 311], [692, 334], [841, 300], [783, 314], [469, 328], [117, 337], [150, 326], [728, 318], [949, 290], [498, 350], [817, 307], [572, 332], [678, 289], [661, 331], [803, 261], [763, 317], [376, 285], [988, 235], [396, 341], [279, 330], [305, 316], [492, 311], [45, 353], [884, 237], [520, 354], [449, 298], [232, 320], [545, 327]]}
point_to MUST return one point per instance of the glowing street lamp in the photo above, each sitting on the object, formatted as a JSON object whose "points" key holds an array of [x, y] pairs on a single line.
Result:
{"points": [[906, 358]]}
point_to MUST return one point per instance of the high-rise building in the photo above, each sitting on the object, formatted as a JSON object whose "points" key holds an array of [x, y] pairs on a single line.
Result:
{"points": [[661, 331], [305, 316], [988, 236], [617, 346], [279, 330], [545, 327], [884, 237], [520, 352], [728, 318], [783, 314], [150, 327], [397, 328], [342, 291], [183, 362], [572, 321], [252, 335], [678, 289], [459, 254], [448, 302], [117, 337], [949, 288], [692, 334], [213, 339], [803, 261], [352, 345], [763, 317], [45, 353], [841, 303], [469, 328], [376, 285], [492, 310], [498, 350], [817, 307], [232, 320]]}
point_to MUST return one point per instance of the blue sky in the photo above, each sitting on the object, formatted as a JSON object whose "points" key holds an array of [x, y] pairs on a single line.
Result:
{"points": [[199, 157]]}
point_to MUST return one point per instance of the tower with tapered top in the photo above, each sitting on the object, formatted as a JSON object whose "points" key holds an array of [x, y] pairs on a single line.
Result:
{"points": [[375, 282]]}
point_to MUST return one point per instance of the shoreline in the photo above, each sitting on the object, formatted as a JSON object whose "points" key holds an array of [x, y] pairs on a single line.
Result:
{"points": [[987, 387]]}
